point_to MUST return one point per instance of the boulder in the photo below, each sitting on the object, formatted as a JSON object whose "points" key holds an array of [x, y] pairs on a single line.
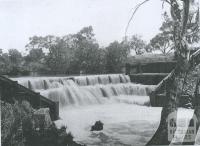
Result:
{"points": [[97, 126], [42, 119]]}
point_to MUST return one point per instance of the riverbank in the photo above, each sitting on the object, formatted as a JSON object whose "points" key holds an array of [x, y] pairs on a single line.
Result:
{"points": [[19, 127]]}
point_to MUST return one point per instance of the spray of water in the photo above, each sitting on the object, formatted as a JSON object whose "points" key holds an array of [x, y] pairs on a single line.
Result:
{"points": [[122, 106], [89, 90]]}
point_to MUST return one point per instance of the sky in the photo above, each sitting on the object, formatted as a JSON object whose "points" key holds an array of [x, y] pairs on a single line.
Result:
{"points": [[21, 19]]}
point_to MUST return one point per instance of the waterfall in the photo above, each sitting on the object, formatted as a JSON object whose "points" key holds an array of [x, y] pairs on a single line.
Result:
{"points": [[110, 98], [123, 107], [89, 90]]}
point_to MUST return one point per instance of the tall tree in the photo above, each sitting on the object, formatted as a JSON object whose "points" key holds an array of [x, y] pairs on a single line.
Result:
{"points": [[58, 52], [35, 60], [58, 57], [137, 45], [176, 84], [163, 41], [5, 65], [15, 56], [15, 60], [86, 51], [116, 55]]}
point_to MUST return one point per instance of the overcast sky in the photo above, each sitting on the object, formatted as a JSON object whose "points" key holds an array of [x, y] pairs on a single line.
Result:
{"points": [[21, 19]]}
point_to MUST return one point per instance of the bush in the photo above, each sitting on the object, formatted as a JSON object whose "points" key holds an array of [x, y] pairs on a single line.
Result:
{"points": [[17, 127], [51, 137]]}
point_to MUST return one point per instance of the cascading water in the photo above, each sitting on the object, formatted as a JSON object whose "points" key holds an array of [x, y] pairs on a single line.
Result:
{"points": [[122, 106], [87, 90]]}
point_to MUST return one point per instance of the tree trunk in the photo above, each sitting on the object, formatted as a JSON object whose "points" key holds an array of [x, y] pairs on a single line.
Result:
{"points": [[176, 85]]}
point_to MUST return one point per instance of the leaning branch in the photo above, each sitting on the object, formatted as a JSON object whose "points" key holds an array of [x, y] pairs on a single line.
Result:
{"points": [[135, 10], [137, 7]]}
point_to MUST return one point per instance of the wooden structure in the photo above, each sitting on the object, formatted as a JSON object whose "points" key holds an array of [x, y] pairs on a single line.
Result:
{"points": [[149, 73], [10, 91]]}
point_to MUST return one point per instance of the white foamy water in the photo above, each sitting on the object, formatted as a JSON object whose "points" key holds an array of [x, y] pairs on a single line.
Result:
{"points": [[124, 124], [122, 106]]}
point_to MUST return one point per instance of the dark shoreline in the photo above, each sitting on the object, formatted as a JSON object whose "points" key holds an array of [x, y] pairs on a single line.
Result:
{"points": [[18, 128]]}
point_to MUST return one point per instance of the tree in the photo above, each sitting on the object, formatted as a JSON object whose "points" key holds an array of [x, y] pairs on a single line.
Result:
{"points": [[15, 56], [58, 59], [176, 82], [163, 41], [35, 55], [137, 45], [35, 61], [39, 42], [16, 61], [58, 53], [86, 52], [193, 30], [5, 65], [116, 55], [1, 52], [69, 54], [11, 63]]}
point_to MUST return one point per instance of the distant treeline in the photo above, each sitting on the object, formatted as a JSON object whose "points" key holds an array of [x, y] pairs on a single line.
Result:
{"points": [[80, 53], [70, 54]]}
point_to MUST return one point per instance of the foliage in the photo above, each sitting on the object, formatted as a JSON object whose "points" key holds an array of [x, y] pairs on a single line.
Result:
{"points": [[87, 54], [176, 82], [137, 45], [51, 137], [77, 53], [34, 61], [58, 54], [11, 63], [161, 42], [164, 41], [17, 128], [12, 120], [4, 63], [116, 55]]}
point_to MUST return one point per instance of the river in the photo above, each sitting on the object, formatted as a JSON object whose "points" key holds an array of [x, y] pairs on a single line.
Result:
{"points": [[122, 106]]}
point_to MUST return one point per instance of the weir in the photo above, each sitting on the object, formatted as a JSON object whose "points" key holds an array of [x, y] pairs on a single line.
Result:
{"points": [[112, 98], [87, 90]]}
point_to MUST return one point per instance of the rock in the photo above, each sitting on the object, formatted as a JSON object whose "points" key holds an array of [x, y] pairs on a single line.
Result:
{"points": [[42, 119], [97, 126], [60, 123]]}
